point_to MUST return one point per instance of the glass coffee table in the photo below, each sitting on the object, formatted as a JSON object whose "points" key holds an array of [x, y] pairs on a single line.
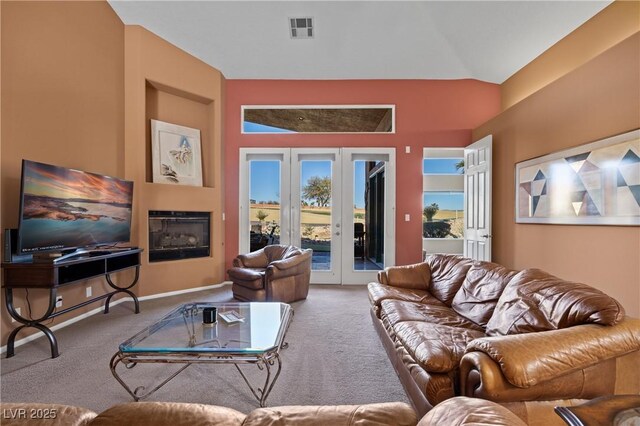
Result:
{"points": [[181, 337]]}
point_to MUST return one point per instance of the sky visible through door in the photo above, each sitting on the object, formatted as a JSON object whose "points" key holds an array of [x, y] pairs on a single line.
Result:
{"points": [[265, 181]]}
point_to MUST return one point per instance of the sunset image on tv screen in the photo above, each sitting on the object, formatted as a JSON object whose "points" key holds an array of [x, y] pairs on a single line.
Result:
{"points": [[71, 208]]}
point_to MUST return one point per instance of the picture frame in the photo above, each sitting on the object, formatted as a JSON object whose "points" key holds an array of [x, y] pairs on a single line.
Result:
{"points": [[597, 183], [176, 153]]}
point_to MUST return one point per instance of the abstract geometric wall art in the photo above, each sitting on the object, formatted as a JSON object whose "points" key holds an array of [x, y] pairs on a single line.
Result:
{"points": [[593, 184]]}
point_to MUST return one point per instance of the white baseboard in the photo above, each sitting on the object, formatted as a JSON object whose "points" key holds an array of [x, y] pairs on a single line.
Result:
{"points": [[177, 292], [38, 335]]}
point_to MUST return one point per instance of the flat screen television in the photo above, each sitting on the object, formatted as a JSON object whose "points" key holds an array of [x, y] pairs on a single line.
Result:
{"points": [[63, 209]]}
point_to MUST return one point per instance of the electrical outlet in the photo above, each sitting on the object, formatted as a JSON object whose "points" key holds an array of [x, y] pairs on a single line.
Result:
{"points": [[89, 291], [59, 302], [18, 312]]}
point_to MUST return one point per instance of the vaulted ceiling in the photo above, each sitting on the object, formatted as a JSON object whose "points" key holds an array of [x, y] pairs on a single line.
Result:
{"points": [[484, 40]]}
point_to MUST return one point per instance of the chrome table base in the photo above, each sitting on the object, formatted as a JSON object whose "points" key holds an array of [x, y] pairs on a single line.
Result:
{"points": [[264, 362]]}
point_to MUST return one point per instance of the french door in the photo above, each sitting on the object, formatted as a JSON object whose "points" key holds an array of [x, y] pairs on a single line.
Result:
{"points": [[340, 202]]}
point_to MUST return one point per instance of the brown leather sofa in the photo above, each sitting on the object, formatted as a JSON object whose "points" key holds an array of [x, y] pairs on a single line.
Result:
{"points": [[185, 414], [275, 273], [454, 327]]}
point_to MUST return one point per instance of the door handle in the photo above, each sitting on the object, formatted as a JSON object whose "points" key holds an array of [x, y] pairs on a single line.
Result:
{"points": [[486, 236]]}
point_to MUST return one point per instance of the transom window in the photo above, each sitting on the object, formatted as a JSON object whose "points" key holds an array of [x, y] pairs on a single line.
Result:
{"points": [[318, 119]]}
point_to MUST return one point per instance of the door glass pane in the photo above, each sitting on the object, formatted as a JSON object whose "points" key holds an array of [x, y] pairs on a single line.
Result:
{"points": [[368, 215], [315, 211], [443, 215], [264, 203]]}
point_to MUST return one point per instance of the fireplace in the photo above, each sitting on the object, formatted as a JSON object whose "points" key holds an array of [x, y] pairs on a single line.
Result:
{"points": [[175, 235]]}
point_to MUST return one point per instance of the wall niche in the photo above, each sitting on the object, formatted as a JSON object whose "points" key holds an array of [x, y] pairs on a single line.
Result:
{"points": [[175, 106]]}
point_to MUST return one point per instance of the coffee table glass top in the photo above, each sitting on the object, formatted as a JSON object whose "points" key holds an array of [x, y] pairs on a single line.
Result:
{"points": [[182, 330]]}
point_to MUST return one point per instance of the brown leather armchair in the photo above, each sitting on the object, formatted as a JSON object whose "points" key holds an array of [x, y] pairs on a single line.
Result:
{"points": [[275, 273]]}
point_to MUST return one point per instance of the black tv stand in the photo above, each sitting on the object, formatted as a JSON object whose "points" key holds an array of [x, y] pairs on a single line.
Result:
{"points": [[51, 275]]}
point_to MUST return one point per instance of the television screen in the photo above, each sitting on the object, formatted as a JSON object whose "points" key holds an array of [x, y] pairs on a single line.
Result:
{"points": [[65, 208]]}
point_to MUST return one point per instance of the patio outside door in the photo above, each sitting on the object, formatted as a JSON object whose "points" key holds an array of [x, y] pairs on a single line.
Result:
{"points": [[316, 222], [334, 201]]}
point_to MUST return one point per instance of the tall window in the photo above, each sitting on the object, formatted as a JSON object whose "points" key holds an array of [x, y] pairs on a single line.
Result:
{"points": [[443, 200]]}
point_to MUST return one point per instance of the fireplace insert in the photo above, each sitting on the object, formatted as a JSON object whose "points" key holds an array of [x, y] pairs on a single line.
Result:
{"points": [[175, 235]]}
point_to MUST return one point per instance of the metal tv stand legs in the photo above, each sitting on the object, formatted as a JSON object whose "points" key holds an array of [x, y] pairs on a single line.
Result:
{"points": [[51, 313]]}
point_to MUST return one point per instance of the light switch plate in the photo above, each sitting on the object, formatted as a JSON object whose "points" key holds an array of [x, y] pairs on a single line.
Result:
{"points": [[407, 217]]}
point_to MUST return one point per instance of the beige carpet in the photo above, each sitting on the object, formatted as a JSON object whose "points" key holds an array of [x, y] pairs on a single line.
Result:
{"points": [[334, 357]]}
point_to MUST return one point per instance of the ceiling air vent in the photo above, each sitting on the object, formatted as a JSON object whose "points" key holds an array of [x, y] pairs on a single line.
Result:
{"points": [[301, 27]]}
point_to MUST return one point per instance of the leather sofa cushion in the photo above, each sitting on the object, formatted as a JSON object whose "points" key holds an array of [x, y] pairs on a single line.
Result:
{"points": [[396, 413], [277, 252], [263, 257], [437, 348], [291, 252], [535, 300], [59, 415], [395, 311], [447, 275], [379, 292], [437, 387], [480, 291], [168, 413]]}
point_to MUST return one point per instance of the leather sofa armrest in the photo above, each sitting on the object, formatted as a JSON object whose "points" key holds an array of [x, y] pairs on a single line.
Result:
{"points": [[244, 274], [416, 276], [292, 262], [255, 259], [461, 411], [528, 359]]}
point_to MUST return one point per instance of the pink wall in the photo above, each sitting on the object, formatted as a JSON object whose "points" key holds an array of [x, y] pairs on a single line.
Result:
{"points": [[436, 113]]}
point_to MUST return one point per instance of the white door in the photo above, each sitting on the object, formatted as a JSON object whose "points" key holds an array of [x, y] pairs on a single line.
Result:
{"points": [[315, 210], [338, 202], [477, 203], [368, 214]]}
